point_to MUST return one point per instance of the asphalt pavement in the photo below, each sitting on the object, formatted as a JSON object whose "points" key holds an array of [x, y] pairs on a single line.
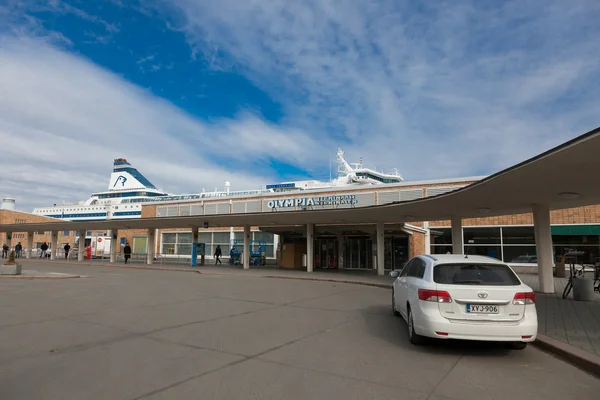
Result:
{"points": [[141, 334]]}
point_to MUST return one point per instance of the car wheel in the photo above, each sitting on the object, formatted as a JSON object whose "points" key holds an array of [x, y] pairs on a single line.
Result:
{"points": [[395, 311], [519, 345], [413, 337]]}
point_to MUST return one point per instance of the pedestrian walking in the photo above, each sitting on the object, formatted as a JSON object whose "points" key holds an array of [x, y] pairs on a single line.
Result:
{"points": [[67, 248], [127, 252], [44, 249], [5, 251], [18, 250], [218, 255]]}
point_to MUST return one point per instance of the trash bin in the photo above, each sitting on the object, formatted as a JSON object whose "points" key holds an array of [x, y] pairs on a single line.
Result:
{"points": [[583, 289]]}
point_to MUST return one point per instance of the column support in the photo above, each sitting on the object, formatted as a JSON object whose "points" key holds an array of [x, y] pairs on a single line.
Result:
{"points": [[427, 237], [457, 236], [29, 245], [380, 248], [53, 244], [150, 246], [310, 243], [246, 246], [340, 251], [81, 246], [194, 257], [114, 234], [543, 245]]}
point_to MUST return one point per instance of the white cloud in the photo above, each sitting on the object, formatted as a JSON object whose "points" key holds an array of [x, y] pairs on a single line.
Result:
{"points": [[443, 89], [63, 120]]}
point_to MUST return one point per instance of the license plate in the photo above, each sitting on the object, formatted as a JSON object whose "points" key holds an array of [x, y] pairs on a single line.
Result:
{"points": [[482, 309]]}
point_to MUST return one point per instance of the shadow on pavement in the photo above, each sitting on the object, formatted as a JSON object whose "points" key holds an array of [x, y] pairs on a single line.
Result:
{"points": [[381, 323]]}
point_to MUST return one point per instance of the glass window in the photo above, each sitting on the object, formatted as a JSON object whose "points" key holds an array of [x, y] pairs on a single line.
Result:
{"points": [[66, 233], [184, 238], [589, 256], [490, 251], [168, 249], [481, 235], [221, 237], [518, 235], [417, 269], [520, 254], [204, 237], [474, 274], [185, 249], [266, 236], [575, 240], [239, 236], [169, 237], [441, 236], [270, 251], [407, 268], [441, 249]]}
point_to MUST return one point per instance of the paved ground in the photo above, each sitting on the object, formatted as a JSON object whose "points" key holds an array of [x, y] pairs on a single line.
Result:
{"points": [[132, 334], [573, 322]]}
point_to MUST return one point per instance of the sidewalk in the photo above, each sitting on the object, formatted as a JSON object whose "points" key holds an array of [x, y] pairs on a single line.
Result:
{"points": [[574, 322]]}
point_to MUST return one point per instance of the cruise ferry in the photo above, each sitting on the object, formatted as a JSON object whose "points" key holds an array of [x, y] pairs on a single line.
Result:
{"points": [[128, 189]]}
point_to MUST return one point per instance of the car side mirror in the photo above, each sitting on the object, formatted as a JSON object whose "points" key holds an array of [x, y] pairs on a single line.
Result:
{"points": [[395, 274]]}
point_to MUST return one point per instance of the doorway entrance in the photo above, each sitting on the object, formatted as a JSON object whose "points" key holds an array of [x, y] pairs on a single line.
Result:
{"points": [[396, 252], [358, 253], [326, 252]]}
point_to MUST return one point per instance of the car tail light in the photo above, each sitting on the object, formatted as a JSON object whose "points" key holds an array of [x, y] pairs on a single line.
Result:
{"points": [[438, 296], [523, 298]]}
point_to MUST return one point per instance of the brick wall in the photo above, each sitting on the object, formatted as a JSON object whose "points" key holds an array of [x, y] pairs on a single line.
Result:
{"points": [[579, 215], [416, 244]]}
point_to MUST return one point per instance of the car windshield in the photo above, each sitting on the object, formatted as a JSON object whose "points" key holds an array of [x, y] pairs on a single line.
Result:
{"points": [[475, 274]]}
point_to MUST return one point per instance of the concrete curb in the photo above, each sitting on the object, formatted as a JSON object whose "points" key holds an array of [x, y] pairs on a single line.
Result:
{"points": [[102, 265], [362, 283], [582, 359], [38, 277]]}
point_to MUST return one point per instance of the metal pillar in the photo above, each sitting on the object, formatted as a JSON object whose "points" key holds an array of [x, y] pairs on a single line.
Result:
{"points": [[543, 245], [150, 246], [29, 245], [310, 243], [380, 248], [114, 234], [246, 246], [81, 246], [457, 236], [53, 245]]}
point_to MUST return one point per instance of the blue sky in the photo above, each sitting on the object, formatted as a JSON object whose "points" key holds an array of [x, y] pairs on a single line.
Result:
{"points": [[195, 93]]}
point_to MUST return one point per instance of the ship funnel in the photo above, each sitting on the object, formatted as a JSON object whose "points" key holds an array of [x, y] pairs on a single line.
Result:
{"points": [[8, 203]]}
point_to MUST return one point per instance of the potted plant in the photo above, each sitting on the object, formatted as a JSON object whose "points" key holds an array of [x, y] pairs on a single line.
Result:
{"points": [[11, 267]]}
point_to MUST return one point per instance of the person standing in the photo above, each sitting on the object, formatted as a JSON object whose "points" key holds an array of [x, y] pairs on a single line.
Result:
{"points": [[67, 248], [127, 252], [5, 251], [218, 254], [18, 249], [44, 249]]}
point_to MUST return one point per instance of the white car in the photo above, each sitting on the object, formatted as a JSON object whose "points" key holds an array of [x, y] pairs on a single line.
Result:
{"points": [[455, 296]]}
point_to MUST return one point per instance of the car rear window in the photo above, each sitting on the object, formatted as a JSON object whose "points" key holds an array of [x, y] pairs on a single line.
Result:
{"points": [[474, 274]]}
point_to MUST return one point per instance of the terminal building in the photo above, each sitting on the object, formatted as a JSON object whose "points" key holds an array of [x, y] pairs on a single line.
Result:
{"points": [[341, 245]]}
